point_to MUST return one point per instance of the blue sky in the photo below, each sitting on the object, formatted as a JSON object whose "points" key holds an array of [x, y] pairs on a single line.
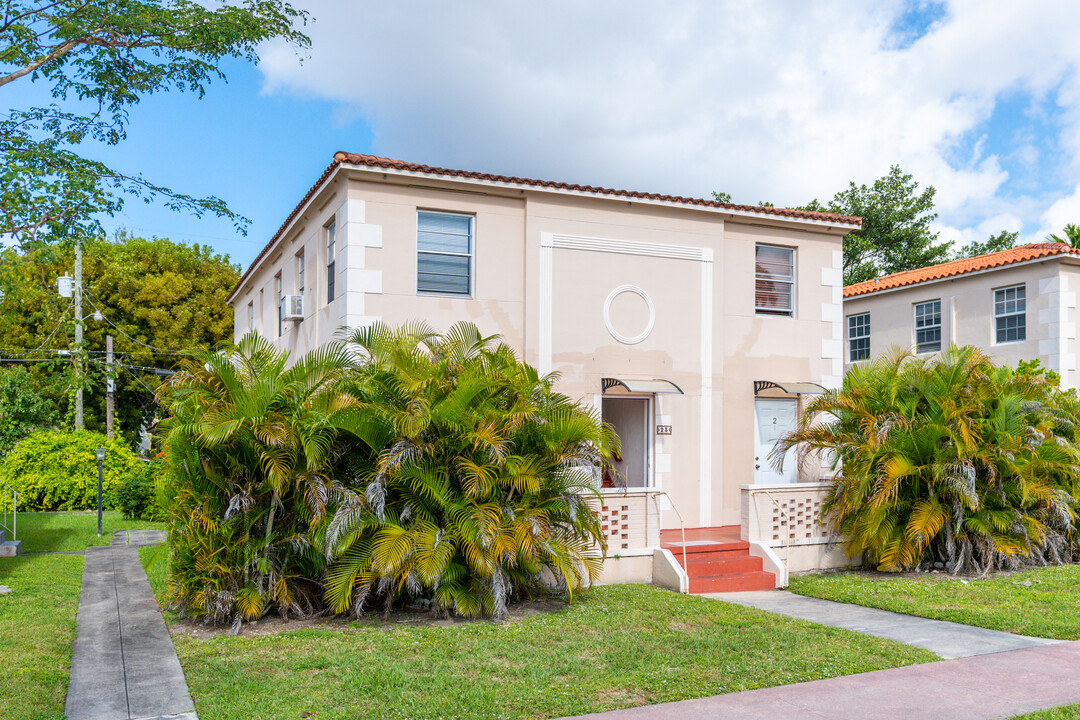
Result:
{"points": [[778, 101]]}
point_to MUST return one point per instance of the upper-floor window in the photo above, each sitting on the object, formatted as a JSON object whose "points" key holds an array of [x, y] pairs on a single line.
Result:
{"points": [[928, 326], [331, 260], [774, 287], [1010, 314], [444, 250], [300, 273], [858, 337], [280, 303], [251, 315]]}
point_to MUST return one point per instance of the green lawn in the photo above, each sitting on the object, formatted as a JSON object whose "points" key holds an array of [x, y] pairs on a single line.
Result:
{"points": [[1048, 607], [1068, 712], [73, 530], [619, 646], [37, 629]]}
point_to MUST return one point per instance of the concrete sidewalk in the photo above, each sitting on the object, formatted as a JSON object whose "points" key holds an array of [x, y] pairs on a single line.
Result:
{"points": [[124, 666], [982, 687], [947, 639]]}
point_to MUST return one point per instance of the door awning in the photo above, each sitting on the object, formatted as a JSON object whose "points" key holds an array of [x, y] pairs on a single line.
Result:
{"points": [[791, 388], [640, 386]]}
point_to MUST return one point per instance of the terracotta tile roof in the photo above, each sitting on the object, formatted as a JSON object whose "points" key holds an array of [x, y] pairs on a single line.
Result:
{"points": [[373, 161], [1023, 253]]}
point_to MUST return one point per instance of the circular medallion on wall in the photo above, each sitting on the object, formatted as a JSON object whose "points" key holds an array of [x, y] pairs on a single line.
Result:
{"points": [[629, 314]]}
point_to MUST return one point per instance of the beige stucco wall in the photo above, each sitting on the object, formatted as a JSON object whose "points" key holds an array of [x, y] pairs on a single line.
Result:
{"points": [[545, 267], [967, 308]]}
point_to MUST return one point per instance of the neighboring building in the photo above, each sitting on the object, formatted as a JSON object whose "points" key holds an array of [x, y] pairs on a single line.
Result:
{"points": [[1016, 304], [693, 326]]}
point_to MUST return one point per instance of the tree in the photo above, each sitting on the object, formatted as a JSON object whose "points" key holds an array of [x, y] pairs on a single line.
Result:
{"points": [[947, 459], [23, 407], [158, 299], [895, 233], [99, 58], [995, 243], [477, 477], [1072, 236]]}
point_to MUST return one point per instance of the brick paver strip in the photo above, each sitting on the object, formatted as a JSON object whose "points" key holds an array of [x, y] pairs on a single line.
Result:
{"points": [[982, 687], [124, 666]]}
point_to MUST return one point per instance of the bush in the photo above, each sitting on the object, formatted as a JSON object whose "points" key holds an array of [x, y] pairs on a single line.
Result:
{"points": [[476, 478], [58, 471], [139, 497], [407, 466], [948, 459]]}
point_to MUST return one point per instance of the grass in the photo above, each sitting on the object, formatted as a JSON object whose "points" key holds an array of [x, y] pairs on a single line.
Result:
{"points": [[73, 530], [619, 646], [1047, 607], [37, 629], [1067, 712]]}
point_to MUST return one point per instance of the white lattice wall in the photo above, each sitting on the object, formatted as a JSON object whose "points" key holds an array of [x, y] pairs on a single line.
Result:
{"points": [[630, 521], [784, 514]]}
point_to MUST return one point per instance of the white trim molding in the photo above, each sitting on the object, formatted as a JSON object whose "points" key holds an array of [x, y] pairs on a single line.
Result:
{"points": [[629, 339]]}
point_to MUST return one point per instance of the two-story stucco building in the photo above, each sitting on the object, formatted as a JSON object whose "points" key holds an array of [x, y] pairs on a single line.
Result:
{"points": [[693, 326], [1016, 304]]}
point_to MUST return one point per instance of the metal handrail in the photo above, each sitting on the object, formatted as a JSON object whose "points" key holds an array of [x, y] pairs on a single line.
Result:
{"points": [[14, 510], [787, 523], [682, 525]]}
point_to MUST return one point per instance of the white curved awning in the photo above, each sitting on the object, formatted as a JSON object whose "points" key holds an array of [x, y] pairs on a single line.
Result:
{"points": [[791, 388], [655, 387]]}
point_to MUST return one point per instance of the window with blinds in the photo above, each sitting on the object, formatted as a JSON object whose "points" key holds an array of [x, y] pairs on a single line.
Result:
{"points": [[444, 253], [1010, 314], [331, 260], [774, 288]]}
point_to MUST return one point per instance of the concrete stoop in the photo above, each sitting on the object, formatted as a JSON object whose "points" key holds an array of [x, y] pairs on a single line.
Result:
{"points": [[9, 548]]}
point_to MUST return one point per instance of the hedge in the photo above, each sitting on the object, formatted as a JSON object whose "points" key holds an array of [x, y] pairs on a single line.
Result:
{"points": [[58, 471]]}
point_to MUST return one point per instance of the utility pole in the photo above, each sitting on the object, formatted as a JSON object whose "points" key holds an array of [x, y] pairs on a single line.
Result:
{"points": [[78, 337], [110, 386]]}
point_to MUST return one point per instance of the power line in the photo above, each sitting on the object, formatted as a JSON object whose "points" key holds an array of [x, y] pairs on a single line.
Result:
{"points": [[139, 342]]}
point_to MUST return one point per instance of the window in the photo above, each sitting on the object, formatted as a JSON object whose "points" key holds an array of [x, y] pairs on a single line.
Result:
{"points": [[300, 273], [251, 315], [1010, 314], [774, 289], [280, 302], [444, 246], [928, 326], [858, 332], [331, 260]]}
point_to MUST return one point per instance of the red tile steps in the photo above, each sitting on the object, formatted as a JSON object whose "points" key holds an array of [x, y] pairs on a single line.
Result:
{"points": [[717, 560]]}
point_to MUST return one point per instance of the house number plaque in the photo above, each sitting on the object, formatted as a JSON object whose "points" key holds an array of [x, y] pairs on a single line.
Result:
{"points": [[663, 429]]}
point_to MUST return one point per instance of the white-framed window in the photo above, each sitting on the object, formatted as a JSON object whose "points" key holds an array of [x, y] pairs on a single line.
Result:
{"points": [[444, 253], [331, 260], [858, 337], [280, 303], [251, 315], [300, 273], [1010, 314], [774, 286], [928, 326]]}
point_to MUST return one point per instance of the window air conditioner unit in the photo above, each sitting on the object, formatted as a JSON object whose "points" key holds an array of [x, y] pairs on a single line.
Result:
{"points": [[292, 307]]}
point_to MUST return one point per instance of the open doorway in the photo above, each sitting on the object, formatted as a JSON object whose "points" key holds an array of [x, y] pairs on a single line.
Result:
{"points": [[631, 418]]}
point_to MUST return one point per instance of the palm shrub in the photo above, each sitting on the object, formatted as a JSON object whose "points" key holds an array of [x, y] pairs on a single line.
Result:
{"points": [[470, 481], [948, 459], [249, 445]]}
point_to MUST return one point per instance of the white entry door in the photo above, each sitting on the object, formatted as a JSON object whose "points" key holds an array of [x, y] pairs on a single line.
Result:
{"points": [[774, 417]]}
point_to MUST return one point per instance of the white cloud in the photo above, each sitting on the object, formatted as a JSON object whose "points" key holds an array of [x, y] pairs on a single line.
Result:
{"points": [[778, 101]]}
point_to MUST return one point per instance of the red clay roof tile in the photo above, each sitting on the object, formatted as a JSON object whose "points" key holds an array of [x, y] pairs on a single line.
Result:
{"points": [[1011, 256], [374, 161]]}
